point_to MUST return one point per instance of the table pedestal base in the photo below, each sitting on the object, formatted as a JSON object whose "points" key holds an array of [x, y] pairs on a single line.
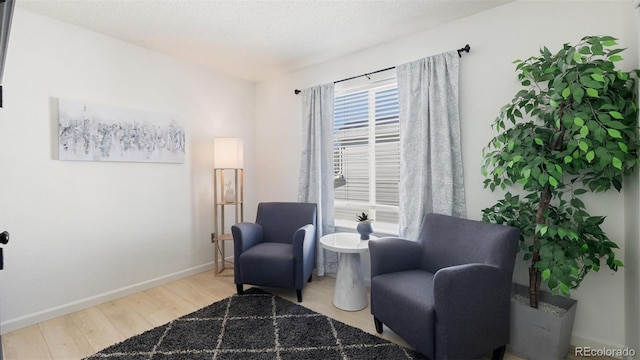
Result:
{"points": [[350, 293]]}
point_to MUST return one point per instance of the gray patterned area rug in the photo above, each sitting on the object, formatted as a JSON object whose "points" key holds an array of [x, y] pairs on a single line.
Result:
{"points": [[256, 325]]}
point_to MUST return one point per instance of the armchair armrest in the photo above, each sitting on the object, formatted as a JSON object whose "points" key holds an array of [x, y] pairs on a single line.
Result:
{"points": [[393, 254], [245, 235], [304, 253], [472, 301], [303, 239]]}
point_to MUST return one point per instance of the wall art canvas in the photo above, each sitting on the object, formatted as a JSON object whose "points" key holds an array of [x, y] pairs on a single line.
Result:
{"points": [[94, 132]]}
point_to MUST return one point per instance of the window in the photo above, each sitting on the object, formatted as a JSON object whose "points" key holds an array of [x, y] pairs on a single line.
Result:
{"points": [[366, 154]]}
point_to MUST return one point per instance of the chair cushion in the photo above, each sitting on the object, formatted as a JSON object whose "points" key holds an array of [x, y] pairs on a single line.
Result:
{"points": [[268, 264], [404, 301]]}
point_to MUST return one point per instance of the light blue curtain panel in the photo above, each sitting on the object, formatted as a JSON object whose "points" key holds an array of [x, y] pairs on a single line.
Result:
{"points": [[316, 166], [431, 178]]}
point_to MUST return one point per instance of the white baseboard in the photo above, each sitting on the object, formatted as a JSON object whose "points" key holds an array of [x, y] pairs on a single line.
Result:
{"points": [[48, 314]]}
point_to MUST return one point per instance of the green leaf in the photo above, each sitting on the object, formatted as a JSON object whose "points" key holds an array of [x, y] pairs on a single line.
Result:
{"points": [[615, 58], [623, 147], [545, 274], [553, 182], [577, 57], [600, 134], [590, 83], [574, 235], [597, 77], [596, 49], [616, 125], [578, 121], [568, 159], [575, 202], [566, 92], [609, 42], [578, 92], [517, 113], [614, 133], [562, 232], [614, 51], [553, 103], [543, 230], [592, 92], [590, 156], [617, 262], [616, 115], [584, 131], [538, 141], [617, 163], [583, 146]]}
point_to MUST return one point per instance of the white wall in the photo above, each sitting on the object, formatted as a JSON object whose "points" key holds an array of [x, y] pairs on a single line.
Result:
{"points": [[85, 232], [487, 81]]}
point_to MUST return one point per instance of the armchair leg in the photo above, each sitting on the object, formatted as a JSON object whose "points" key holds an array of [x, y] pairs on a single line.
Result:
{"points": [[239, 289], [378, 324], [299, 293], [498, 354]]}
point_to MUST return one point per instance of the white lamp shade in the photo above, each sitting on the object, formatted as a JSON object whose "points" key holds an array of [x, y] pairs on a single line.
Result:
{"points": [[228, 153]]}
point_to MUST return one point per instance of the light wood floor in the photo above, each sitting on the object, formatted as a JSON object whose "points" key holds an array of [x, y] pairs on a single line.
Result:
{"points": [[85, 332]]}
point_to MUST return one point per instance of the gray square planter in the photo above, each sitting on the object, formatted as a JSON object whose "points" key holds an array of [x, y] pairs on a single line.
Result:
{"points": [[538, 335]]}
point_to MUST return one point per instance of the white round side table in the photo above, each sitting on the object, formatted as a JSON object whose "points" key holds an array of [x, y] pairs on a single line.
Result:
{"points": [[350, 293]]}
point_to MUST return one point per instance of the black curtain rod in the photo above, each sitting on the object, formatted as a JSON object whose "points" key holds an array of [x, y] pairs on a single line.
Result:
{"points": [[466, 48]]}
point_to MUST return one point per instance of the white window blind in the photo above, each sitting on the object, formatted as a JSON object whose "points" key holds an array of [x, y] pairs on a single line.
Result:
{"points": [[367, 154]]}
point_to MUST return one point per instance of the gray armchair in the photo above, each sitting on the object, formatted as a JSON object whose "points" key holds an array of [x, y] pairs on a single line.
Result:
{"points": [[447, 294], [277, 250]]}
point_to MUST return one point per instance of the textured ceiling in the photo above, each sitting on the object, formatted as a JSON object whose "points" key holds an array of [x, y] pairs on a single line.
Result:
{"points": [[256, 40]]}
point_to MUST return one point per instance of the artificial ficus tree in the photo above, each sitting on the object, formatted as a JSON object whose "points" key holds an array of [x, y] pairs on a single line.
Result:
{"points": [[571, 130]]}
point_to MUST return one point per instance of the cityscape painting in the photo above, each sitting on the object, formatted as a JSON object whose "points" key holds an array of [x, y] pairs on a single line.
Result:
{"points": [[94, 132]]}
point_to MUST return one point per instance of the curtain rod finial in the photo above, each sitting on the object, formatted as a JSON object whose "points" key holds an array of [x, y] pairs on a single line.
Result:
{"points": [[296, 91], [466, 48]]}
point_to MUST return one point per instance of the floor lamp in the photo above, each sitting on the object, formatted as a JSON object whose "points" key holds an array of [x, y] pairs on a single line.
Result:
{"points": [[227, 193]]}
